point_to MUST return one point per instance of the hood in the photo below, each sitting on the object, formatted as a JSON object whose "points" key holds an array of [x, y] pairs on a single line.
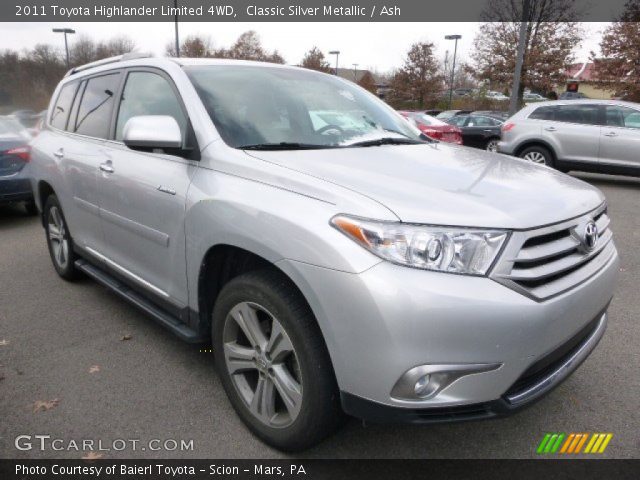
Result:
{"points": [[444, 184]]}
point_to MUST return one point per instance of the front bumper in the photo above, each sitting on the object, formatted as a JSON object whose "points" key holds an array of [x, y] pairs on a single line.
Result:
{"points": [[380, 323], [534, 384]]}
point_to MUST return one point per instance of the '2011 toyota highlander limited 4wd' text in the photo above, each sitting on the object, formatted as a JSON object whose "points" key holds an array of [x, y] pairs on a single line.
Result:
{"points": [[338, 260]]}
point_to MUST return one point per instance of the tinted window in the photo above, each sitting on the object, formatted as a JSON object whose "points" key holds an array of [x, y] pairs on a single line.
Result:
{"points": [[543, 113], [584, 114], [622, 117], [479, 121], [147, 93], [94, 113], [458, 120], [62, 107]]}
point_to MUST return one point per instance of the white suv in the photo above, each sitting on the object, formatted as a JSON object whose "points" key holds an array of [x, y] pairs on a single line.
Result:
{"points": [[589, 135]]}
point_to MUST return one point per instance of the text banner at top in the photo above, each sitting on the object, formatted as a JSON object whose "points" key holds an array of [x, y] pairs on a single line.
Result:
{"points": [[292, 10]]}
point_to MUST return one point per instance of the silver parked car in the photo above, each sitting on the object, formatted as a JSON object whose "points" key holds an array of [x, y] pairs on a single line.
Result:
{"points": [[353, 267], [589, 135]]}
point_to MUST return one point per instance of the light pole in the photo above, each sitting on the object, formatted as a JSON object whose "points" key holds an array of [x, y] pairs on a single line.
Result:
{"points": [[175, 4], [66, 45], [453, 66], [515, 87], [337, 54], [355, 71]]}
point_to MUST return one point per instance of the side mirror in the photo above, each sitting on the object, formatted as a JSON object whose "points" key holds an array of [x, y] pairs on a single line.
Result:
{"points": [[152, 131]]}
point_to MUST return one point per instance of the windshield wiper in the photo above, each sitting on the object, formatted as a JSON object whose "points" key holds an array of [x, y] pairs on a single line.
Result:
{"points": [[385, 141], [285, 146]]}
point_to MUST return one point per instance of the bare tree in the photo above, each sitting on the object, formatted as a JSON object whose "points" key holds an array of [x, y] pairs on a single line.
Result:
{"points": [[619, 65], [552, 36], [249, 47], [314, 60], [419, 79]]}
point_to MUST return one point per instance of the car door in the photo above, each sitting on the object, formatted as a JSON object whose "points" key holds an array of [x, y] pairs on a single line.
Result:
{"points": [[475, 131], [575, 133], [80, 152], [620, 136], [143, 193]]}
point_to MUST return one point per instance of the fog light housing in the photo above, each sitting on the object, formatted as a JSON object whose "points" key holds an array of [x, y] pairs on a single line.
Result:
{"points": [[426, 381]]}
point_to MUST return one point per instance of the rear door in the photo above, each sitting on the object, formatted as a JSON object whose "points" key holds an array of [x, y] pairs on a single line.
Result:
{"points": [[143, 193], [620, 136], [575, 133], [80, 152]]}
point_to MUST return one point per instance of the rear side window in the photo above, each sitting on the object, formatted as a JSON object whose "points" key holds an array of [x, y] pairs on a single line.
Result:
{"points": [[543, 113], [94, 113], [147, 93], [61, 109], [583, 114], [622, 117]]}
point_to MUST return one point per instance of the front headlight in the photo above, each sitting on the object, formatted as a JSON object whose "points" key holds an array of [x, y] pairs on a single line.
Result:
{"points": [[444, 249]]}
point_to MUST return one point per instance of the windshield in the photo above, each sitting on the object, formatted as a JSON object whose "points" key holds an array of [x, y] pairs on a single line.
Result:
{"points": [[261, 105], [10, 126]]}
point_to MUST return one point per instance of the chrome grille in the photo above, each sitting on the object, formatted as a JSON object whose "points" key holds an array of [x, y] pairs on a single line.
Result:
{"points": [[545, 262]]}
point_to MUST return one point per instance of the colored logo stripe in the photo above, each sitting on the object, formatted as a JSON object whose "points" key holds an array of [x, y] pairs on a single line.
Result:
{"points": [[574, 442]]}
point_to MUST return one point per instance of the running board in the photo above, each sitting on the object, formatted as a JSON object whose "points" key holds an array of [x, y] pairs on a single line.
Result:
{"points": [[158, 314]]}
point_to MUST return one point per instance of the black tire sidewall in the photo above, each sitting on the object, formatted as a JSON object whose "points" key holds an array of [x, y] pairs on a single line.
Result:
{"points": [[320, 413], [69, 272]]}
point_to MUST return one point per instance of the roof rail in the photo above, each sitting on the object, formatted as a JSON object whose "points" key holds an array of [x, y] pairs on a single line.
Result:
{"points": [[106, 61]]}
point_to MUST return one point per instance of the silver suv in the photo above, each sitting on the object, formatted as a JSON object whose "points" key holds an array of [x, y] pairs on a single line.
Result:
{"points": [[348, 265], [588, 135]]}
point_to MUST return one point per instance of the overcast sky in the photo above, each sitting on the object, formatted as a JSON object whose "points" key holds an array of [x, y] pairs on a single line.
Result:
{"points": [[380, 46]]}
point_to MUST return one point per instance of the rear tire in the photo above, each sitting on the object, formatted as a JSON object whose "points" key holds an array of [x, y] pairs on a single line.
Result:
{"points": [[273, 363], [59, 240], [538, 154]]}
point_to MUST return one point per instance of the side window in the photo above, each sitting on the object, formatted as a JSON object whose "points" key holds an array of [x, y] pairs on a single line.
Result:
{"points": [[147, 93], [583, 114], [482, 122], [543, 113], [94, 113], [458, 120], [61, 110], [622, 117]]}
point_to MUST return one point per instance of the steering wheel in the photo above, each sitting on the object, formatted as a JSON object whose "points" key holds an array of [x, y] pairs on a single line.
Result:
{"points": [[328, 128]]}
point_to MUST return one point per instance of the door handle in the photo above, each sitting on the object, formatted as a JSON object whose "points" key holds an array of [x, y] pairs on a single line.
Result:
{"points": [[105, 167], [488, 130], [169, 190], [611, 134], [550, 129], [59, 153]]}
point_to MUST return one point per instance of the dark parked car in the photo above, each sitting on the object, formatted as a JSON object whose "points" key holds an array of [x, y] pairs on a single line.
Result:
{"points": [[479, 131], [572, 96], [15, 185], [499, 114]]}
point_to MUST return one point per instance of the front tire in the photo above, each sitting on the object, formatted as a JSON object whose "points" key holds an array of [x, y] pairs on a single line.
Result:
{"points": [[59, 240], [538, 154], [273, 362]]}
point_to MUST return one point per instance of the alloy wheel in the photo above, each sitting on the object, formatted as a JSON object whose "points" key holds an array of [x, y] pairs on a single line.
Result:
{"points": [[536, 157], [57, 232], [492, 146], [262, 364]]}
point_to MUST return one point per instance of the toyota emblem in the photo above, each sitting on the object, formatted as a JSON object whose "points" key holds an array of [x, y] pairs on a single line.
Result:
{"points": [[590, 236]]}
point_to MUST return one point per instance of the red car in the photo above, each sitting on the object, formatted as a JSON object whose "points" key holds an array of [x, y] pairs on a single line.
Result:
{"points": [[434, 128]]}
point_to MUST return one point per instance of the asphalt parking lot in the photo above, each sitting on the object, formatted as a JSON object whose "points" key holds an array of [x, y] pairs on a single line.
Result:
{"points": [[115, 374]]}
